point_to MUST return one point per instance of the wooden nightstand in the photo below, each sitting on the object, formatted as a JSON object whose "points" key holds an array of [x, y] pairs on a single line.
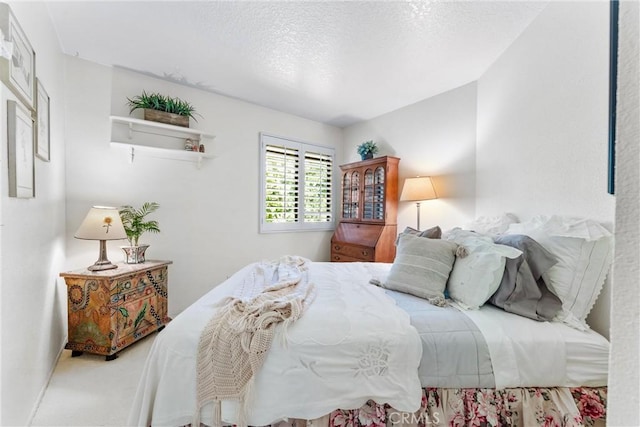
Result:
{"points": [[111, 309]]}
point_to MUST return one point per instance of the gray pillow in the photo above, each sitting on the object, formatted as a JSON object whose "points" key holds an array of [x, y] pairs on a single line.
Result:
{"points": [[522, 290], [421, 266], [431, 233]]}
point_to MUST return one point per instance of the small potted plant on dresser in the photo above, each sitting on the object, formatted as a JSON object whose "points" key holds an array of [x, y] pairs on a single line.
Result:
{"points": [[163, 109], [367, 149], [135, 225]]}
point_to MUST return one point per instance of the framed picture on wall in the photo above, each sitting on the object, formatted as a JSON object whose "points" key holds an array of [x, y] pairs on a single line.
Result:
{"points": [[18, 64], [42, 123], [614, 11], [21, 160]]}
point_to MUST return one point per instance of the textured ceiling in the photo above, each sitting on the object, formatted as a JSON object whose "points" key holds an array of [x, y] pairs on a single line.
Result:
{"points": [[336, 62]]}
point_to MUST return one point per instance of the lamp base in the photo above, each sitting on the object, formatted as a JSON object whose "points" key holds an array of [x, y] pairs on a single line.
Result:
{"points": [[102, 263], [100, 267]]}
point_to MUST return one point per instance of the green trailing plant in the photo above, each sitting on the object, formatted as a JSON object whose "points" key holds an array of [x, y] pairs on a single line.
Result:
{"points": [[156, 101], [367, 148], [134, 222]]}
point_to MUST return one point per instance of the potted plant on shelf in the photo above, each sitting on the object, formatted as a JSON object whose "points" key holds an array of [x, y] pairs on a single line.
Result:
{"points": [[135, 225], [367, 149], [163, 109]]}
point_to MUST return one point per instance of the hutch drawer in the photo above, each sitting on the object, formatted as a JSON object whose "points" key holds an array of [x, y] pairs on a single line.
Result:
{"points": [[352, 251]]}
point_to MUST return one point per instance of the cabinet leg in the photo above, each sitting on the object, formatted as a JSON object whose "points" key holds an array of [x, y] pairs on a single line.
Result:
{"points": [[76, 353], [111, 357]]}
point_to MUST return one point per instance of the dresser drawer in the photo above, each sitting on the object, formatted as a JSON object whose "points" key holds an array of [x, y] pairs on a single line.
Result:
{"points": [[344, 258], [140, 285], [134, 319], [352, 251]]}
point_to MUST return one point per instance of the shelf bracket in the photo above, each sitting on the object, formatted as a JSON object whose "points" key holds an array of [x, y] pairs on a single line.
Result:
{"points": [[133, 154]]}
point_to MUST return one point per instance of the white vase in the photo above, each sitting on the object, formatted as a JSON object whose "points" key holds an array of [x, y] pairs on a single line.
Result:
{"points": [[134, 254]]}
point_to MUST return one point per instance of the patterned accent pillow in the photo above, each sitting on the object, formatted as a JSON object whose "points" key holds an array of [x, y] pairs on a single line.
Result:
{"points": [[421, 266]]}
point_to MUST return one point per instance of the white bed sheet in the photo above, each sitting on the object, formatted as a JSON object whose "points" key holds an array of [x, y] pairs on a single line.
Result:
{"points": [[527, 353], [541, 354], [587, 357]]}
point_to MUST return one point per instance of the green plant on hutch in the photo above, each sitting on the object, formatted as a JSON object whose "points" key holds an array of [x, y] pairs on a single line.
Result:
{"points": [[162, 108], [367, 149], [135, 225]]}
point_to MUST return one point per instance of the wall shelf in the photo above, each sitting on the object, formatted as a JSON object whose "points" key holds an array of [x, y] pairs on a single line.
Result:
{"points": [[162, 153], [158, 139]]}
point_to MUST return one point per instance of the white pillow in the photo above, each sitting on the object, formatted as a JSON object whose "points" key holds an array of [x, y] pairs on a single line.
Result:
{"points": [[584, 249], [477, 276], [492, 225]]}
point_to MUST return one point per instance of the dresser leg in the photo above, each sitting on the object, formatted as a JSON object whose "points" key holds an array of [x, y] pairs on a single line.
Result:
{"points": [[111, 357], [76, 353]]}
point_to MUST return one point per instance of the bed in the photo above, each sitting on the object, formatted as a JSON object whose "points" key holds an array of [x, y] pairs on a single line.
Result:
{"points": [[365, 354]]}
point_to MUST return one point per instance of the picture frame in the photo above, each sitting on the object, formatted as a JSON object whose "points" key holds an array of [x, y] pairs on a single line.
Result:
{"points": [[43, 120], [18, 72], [20, 141], [614, 11]]}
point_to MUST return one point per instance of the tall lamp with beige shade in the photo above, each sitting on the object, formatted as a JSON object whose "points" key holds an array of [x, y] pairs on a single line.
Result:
{"points": [[416, 190], [102, 223]]}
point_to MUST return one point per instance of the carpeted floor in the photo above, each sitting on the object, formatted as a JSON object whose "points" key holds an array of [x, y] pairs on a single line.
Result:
{"points": [[88, 391]]}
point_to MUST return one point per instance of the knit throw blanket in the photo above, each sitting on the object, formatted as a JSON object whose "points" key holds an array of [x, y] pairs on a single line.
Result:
{"points": [[234, 344]]}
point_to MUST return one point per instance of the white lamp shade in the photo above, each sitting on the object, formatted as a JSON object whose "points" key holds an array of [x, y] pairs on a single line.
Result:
{"points": [[418, 188], [101, 223]]}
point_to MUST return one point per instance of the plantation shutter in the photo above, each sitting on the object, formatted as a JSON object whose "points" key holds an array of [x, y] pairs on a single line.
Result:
{"points": [[297, 185], [282, 184], [318, 170]]}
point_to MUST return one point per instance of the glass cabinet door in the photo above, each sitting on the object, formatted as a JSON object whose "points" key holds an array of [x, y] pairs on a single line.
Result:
{"points": [[350, 195], [363, 194], [368, 207], [378, 193], [346, 195], [355, 194]]}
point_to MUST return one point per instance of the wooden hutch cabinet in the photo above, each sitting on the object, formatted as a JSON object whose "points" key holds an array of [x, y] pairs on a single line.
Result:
{"points": [[368, 212]]}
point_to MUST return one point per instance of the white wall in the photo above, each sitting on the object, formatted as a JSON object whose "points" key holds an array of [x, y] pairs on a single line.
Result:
{"points": [[209, 216], [543, 123], [543, 118], [432, 137], [32, 242], [624, 369]]}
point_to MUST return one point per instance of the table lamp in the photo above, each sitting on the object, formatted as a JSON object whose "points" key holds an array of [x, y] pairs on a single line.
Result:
{"points": [[102, 223], [418, 189]]}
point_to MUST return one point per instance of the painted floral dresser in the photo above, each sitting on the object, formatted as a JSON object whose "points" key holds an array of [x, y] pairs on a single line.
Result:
{"points": [[111, 309]]}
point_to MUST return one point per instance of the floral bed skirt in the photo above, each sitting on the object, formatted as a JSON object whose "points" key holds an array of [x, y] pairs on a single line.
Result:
{"points": [[582, 406]]}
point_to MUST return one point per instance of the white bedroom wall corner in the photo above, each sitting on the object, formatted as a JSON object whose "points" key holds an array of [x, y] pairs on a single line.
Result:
{"points": [[32, 243], [624, 367], [435, 136], [542, 118]]}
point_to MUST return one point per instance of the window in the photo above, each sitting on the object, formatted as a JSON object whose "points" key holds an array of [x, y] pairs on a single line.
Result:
{"points": [[296, 189]]}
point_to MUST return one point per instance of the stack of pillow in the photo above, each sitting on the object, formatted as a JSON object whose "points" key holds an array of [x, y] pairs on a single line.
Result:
{"points": [[546, 268]]}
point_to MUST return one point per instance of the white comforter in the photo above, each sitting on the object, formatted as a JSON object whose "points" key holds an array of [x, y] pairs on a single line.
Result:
{"points": [[351, 345]]}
